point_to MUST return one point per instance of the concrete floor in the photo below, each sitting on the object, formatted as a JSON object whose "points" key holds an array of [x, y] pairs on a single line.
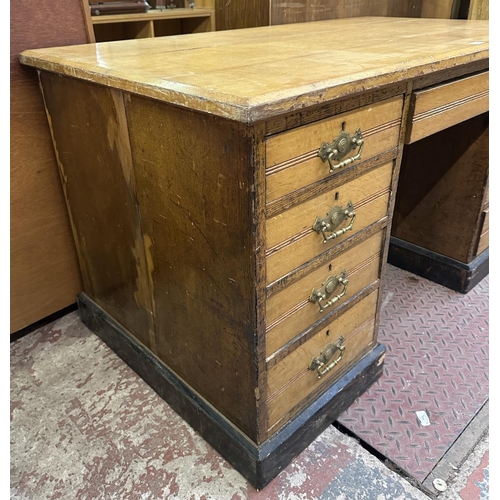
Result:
{"points": [[85, 426]]}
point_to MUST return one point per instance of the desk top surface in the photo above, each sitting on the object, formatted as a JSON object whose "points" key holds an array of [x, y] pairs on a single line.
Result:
{"points": [[253, 74]]}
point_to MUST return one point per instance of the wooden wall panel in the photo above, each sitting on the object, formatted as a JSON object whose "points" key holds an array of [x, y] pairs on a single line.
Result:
{"points": [[241, 14], [479, 9], [441, 9], [44, 271], [316, 10]]}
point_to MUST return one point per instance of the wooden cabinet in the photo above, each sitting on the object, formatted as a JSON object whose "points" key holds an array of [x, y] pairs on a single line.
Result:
{"points": [[238, 265], [153, 24]]}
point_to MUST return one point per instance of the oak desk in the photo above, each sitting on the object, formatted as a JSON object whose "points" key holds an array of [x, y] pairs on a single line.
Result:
{"points": [[231, 196]]}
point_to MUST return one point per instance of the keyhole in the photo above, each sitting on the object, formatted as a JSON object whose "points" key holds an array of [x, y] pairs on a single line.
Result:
{"points": [[327, 333], [343, 126], [330, 267], [336, 196]]}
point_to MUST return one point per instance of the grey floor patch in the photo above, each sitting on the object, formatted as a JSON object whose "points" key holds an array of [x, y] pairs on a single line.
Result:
{"points": [[358, 482]]}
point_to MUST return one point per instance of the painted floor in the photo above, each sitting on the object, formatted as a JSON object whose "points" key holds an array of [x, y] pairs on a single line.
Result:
{"points": [[85, 426], [435, 374]]}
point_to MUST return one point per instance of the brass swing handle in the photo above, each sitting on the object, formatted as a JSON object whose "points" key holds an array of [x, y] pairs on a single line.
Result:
{"points": [[322, 363], [338, 149], [326, 291], [332, 221]]}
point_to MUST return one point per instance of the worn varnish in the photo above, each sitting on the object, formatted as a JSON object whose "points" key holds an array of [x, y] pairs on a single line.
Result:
{"points": [[93, 155], [289, 312], [215, 258], [446, 105], [291, 381], [202, 262], [209, 72], [291, 240]]}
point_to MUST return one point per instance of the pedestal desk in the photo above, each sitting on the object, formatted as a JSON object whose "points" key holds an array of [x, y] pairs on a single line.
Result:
{"points": [[231, 197]]}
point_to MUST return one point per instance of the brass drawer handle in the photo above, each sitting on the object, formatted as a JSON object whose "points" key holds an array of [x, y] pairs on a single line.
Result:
{"points": [[341, 145], [322, 363], [327, 289], [332, 221]]}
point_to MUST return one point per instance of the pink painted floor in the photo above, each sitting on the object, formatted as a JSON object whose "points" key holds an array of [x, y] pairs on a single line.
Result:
{"points": [[436, 363]]}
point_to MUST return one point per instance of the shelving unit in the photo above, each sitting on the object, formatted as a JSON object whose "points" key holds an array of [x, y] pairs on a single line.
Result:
{"points": [[153, 24]]}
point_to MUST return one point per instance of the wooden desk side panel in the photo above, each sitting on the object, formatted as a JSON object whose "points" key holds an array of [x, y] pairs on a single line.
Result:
{"points": [[91, 143], [195, 189]]}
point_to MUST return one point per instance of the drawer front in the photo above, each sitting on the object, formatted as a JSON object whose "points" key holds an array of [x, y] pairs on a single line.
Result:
{"points": [[445, 105], [290, 311], [292, 160], [291, 380], [290, 238], [484, 238]]}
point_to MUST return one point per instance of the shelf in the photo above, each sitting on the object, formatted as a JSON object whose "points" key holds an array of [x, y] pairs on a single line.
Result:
{"points": [[153, 24]]}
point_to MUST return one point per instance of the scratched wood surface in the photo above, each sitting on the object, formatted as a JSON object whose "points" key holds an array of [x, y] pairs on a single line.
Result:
{"points": [[289, 312], [197, 222], [290, 381], [441, 107], [290, 238], [90, 140], [292, 66]]}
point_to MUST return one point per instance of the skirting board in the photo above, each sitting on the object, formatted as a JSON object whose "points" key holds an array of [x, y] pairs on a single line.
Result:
{"points": [[438, 268], [259, 464]]}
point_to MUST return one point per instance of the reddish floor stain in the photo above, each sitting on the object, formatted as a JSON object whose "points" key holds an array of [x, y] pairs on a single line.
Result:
{"points": [[477, 484]]}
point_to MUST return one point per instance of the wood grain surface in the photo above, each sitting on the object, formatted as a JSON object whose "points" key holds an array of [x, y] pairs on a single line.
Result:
{"points": [[290, 381], [91, 143], [292, 66], [441, 9], [440, 107], [442, 182], [44, 275], [289, 312], [196, 215], [479, 9], [241, 14], [291, 240], [317, 10], [292, 157]]}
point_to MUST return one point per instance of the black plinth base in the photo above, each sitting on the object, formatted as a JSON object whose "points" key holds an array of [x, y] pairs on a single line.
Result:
{"points": [[259, 464], [438, 268]]}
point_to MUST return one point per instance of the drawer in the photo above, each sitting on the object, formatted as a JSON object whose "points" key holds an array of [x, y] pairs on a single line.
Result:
{"points": [[291, 380], [290, 238], [484, 238], [292, 160], [290, 311], [441, 107]]}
